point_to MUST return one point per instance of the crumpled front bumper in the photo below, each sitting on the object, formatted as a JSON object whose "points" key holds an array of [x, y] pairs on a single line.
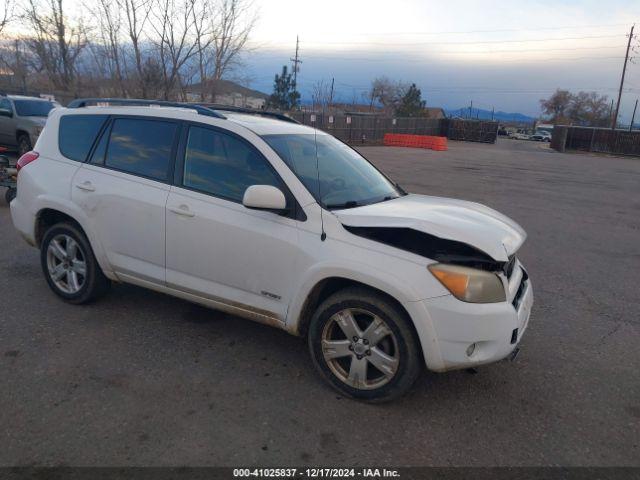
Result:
{"points": [[450, 326]]}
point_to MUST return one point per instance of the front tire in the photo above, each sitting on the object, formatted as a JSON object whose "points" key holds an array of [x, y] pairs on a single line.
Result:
{"points": [[364, 345], [69, 265]]}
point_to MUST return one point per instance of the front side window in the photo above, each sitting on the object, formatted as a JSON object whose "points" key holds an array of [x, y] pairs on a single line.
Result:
{"points": [[223, 165], [335, 174], [141, 147], [77, 133], [33, 108]]}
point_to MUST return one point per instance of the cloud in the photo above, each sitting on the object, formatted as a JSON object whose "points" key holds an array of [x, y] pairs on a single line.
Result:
{"points": [[502, 54]]}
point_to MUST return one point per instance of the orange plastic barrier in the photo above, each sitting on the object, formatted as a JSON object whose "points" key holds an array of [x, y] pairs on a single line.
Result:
{"points": [[416, 141]]}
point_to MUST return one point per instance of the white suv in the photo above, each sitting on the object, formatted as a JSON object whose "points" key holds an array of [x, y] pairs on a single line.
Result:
{"points": [[278, 223]]}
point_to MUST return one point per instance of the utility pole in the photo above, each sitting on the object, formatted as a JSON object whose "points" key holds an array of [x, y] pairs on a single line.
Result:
{"points": [[492, 111], [470, 108], [331, 94], [624, 71], [296, 60], [611, 110], [633, 117]]}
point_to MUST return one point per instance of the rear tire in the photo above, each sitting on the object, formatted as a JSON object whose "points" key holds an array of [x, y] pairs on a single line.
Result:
{"points": [[69, 265], [24, 144], [364, 345]]}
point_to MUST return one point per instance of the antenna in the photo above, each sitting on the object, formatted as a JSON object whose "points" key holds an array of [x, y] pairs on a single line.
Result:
{"points": [[323, 235]]}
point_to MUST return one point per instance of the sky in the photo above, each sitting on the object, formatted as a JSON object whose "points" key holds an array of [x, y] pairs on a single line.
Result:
{"points": [[499, 54]]}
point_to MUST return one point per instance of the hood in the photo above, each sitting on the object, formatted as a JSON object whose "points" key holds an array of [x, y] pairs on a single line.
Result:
{"points": [[37, 120], [467, 222]]}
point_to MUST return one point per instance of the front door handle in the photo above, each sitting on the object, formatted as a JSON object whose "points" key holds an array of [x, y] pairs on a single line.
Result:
{"points": [[182, 210], [86, 186]]}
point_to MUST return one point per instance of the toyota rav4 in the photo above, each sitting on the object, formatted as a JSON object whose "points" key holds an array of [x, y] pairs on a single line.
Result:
{"points": [[254, 214]]}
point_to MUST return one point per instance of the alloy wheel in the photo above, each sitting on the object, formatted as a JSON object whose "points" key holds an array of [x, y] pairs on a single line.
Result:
{"points": [[66, 264], [360, 349]]}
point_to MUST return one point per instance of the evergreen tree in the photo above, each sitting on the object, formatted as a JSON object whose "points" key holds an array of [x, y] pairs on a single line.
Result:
{"points": [[284, 96], [411, 103]]}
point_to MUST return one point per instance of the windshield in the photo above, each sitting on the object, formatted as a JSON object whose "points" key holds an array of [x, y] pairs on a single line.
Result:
{"points": [[33, 108], [346, 178]]}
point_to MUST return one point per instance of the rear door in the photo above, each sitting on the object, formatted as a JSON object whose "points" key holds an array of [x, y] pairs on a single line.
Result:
{"points": [[216, 247], [123, 189]]}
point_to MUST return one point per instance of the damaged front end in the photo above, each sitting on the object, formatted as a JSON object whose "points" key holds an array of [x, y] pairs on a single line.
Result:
{"points": [[441, 250], [466, 272]]}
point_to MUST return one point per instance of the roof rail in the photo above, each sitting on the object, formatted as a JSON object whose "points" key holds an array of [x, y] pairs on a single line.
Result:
{"points": [[250, 111], [202, 110]]}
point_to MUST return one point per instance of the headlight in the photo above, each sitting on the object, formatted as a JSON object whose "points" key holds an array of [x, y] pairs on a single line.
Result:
{"points": [[469, 284]]}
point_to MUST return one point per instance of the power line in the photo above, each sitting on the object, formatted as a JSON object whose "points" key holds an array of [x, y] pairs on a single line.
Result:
{"points": [[472, 42], [468, 52], [463, 32], [518, 60]]}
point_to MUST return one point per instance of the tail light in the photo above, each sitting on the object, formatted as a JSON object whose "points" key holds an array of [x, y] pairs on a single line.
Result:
{"points": [[26, 159]]}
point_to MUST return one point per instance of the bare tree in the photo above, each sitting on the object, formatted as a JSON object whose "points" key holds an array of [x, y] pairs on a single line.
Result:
{"points": [[590, 109], [556, 105], [386, 92], [14, 58], [233, 22], [6, 14], [55, 42], [108, 18], [222, 30], [136, 13], [321, 95], [147, 48], [204, 40], [174, 41]]}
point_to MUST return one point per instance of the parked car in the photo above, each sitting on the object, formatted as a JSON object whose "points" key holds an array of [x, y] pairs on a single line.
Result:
{"points": [[541, 136], [519, 136], [22, 119], [279, 223]]}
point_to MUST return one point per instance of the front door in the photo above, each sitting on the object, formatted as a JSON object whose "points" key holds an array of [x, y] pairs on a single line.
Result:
{"points": [[216, 247]]}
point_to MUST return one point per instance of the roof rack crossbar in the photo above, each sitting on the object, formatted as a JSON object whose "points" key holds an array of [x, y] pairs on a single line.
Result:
{"points": [[202, 110], [250, 111]]}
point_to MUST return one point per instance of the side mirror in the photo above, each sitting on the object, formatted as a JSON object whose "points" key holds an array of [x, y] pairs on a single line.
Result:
{"points": [[5, 113], [264, 197]]}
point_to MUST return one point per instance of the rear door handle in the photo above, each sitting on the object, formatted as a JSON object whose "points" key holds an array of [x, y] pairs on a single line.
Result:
{"points": [[182, 210], [86, 186]]}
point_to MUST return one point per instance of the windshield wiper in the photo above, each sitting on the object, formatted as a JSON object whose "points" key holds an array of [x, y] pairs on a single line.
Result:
{"points": [[349, 204]]}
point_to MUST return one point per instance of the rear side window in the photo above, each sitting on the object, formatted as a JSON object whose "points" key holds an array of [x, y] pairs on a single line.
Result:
{"points": [[223, 165], [141, 147], [77, 133]]}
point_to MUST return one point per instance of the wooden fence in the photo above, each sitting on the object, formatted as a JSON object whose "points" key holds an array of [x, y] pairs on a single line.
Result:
{"points": [[601, 140], [359, 129], [367, 129], [472, 130]]}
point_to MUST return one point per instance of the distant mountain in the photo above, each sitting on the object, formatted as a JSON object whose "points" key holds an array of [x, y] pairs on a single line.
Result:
{"points": [[486, 115]]}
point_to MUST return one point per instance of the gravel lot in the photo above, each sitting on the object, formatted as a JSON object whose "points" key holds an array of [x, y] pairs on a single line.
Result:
{"points": [[140, 378]]}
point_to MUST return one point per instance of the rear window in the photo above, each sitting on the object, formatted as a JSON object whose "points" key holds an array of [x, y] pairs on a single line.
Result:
{"points": [[141, 147], [77, 133], [33, 108]]}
